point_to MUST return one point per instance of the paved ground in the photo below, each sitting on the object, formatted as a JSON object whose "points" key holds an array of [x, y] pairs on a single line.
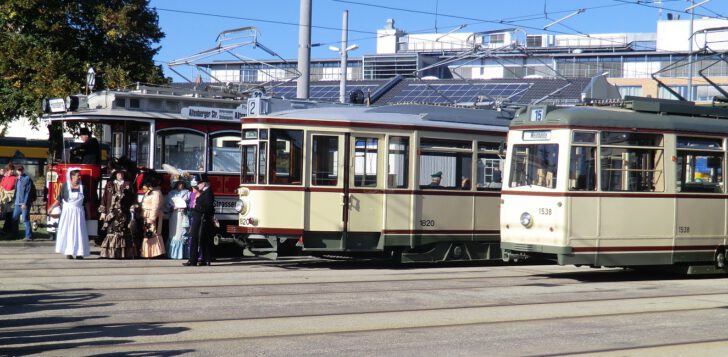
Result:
{"points": [[53, 306]]}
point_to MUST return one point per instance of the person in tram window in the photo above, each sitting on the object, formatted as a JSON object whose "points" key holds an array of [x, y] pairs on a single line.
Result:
{"points": [[89, 152], [465, 183], [7, 197], [71, 236], [116, 201], [436, 180], [203, 226], [177, 204]]}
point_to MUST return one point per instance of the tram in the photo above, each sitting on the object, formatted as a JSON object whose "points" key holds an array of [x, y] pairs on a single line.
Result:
{"points": [[411, 182], [148, 127], [633, 185]]}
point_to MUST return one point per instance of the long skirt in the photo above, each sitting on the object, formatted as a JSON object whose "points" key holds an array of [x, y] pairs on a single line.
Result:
{"points": [[71, 236], [117, 246]]}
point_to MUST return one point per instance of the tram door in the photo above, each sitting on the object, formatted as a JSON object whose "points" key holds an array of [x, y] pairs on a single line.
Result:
{"points": [[363, 191]]}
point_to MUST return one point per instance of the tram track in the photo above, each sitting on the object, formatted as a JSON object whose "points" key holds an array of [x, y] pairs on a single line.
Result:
{"points": [[315, 324]]}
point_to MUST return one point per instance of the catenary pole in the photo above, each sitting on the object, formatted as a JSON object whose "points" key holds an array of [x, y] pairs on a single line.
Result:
{"points": [[304, 49]]}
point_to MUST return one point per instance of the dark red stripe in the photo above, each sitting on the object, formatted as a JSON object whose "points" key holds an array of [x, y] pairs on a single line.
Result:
{"points": [[376, 191], [257, 230], [616, 194], [347, 124], [643, 248], [452, 231]]}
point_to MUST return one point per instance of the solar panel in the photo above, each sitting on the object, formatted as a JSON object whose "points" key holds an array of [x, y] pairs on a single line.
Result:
{"points": [[324, 93], [459, 92]]}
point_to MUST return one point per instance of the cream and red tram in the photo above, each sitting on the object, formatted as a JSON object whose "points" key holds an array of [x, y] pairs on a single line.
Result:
{"points": [[347, 180], [196, 132], [641, 184]]}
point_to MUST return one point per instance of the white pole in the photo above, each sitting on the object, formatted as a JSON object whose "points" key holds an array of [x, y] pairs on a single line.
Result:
{"points": [[344, 57], [304, 50], [690, 52]]}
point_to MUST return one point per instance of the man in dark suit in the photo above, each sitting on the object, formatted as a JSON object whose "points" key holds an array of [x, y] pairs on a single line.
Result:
{"points": [[89, 152], [203, 226]]}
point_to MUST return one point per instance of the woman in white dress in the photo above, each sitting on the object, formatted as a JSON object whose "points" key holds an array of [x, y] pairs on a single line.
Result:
{"points": [[72, 237], [177, 202]]}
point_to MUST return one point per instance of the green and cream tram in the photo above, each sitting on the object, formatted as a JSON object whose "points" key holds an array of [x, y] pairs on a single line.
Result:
{"points": [[640, 184], [411, 181]]}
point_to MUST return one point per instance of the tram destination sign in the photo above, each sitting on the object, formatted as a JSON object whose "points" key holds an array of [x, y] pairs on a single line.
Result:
{"points": [[206, 113], [537, 135]]}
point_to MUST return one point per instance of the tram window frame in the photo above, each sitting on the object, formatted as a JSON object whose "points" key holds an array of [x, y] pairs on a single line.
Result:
{"points": [[689, 152], [456, 170], [398, 151], [161, 156], [489, 166], [247, 177], [549, 171], [211, 154], [363, 176], [324, 161], [262, 162], [583, 172], [612, 178], [293, 142]]}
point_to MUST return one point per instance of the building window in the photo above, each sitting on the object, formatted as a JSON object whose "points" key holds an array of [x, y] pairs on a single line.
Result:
{"points": [[534, 41]]}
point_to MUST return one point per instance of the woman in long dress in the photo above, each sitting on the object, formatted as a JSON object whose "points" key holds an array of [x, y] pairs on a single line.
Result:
{"points": [[116, 201], [153, 244], [72, 237], [179, 224]]}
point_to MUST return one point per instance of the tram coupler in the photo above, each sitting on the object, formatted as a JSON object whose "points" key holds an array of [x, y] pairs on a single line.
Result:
{"points": [[509, 256]]}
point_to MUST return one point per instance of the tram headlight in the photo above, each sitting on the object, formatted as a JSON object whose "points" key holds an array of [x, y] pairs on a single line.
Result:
{"points": [[526, 219], [239, 206]]}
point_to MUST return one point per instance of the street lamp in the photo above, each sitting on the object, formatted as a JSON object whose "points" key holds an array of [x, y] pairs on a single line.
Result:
{"points": [[344, 54]]}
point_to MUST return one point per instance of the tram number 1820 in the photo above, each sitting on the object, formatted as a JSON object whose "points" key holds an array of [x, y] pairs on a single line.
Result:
{"points": [[427, 222]]}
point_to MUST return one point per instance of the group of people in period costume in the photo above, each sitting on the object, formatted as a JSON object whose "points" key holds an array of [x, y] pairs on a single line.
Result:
{"points": [[17, 194]]}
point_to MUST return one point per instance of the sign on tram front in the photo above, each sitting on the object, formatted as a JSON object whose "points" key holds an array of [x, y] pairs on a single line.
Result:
{"points": [[206, 113]]}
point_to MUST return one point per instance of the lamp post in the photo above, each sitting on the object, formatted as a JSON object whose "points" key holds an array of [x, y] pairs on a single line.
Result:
{"points": [[344, 50]]}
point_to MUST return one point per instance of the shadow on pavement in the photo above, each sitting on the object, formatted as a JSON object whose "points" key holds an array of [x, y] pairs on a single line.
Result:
{"points": [[44, 340], [28, 301], [606, 276], [154, 353]]}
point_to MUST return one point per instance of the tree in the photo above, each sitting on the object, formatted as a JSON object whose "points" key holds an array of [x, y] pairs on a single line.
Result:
{"points": [[46, 47]]}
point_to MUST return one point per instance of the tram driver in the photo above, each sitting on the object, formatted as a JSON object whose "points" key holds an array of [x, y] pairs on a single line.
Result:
{"points": [[89, 152]]}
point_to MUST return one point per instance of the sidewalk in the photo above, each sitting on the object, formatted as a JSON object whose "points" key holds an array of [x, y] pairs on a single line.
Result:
{"points": [[32, 243]]}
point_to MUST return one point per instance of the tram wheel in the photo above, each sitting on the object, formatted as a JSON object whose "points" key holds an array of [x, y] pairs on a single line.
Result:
{"points": [[720, 259]]}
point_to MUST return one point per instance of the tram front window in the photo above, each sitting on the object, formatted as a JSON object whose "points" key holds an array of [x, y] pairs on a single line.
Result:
{"points": [[286, 156], [534, 165]]}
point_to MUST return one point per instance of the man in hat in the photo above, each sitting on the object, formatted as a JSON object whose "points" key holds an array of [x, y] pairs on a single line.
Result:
{"points": [[202, 227], [89, 151], [436, 179]]}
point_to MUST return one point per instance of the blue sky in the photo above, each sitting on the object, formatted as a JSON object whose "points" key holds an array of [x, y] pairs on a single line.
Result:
{"points": [[189, 31]]}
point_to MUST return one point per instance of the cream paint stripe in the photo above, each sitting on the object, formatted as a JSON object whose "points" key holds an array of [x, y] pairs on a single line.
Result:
{"points": [[307, 325]]}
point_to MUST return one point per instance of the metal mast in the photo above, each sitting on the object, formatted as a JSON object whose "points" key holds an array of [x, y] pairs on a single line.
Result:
{"points": [[304, 50]]}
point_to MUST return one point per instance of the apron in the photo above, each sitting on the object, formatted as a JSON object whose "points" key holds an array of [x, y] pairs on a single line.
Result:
{"points": [[71, 236]]}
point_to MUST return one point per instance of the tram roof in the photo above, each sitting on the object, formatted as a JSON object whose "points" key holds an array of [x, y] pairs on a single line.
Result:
{"points": [[404, 115], [624, 118]]}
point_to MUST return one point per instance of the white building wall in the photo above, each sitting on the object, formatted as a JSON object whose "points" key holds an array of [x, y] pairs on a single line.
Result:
{"points": [[673, 35], [639, 69], [21, 128], [226, 75]]}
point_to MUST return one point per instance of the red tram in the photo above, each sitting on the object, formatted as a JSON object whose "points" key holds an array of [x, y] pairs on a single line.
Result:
{"points": [[196, 132]]}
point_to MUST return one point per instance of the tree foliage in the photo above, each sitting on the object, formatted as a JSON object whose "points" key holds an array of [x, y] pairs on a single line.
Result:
{"points": [[46, 47]]}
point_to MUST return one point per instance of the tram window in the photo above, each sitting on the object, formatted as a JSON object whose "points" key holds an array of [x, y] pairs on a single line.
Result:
{"points": [[581, 137], [183, 150], [631, 169], [582, 169], [489, 175], [365, 162], [325, 160], [225, 153], [247, 172], [534, 165], [453, 170], [286, 156], [699, 143], [262, 162], [263, 134], [398, 173], [631, 139], [699, 171]]}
